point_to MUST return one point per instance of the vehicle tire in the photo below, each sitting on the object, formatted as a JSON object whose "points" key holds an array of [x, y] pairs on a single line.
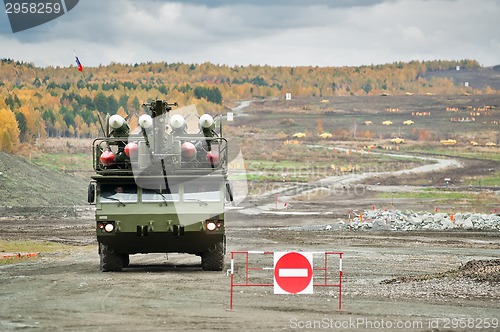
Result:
{"points": [[110, 260], [91, 193], [126, 260], [213, 258]]}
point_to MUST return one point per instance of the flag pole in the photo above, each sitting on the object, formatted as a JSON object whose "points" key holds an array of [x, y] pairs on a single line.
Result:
{"points": [[80, 69]]}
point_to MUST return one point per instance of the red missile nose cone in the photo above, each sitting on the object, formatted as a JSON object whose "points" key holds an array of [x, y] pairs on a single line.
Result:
{"points": [[188, 150], [107, 158], [131, 150], [213, 157]]}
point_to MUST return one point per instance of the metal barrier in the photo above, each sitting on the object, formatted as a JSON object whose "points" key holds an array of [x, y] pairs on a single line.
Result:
{"points": [[324, 276]]}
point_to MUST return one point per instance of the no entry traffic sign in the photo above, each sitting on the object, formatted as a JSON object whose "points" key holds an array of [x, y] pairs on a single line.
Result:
{"points": [[293, 273]]}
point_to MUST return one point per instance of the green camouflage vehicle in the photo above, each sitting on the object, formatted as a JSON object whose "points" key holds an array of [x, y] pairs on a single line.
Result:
{"points": [[162, 187]]}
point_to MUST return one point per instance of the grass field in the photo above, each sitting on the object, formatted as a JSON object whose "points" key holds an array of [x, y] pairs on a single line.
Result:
{"points": [[485, 180], [461, 152], [76, 162], [265, 133], [28, 246], [345, 118], [32, 246]]}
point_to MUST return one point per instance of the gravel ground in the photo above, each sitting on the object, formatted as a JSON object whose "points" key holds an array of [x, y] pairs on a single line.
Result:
{"points": [[393, 280], [390, 278]]}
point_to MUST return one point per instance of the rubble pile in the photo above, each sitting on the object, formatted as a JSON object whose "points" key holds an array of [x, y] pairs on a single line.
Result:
{"points": [[380, 220]]}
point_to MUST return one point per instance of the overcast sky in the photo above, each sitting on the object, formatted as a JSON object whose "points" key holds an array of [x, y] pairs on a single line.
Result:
{"points": [[259, 32]]}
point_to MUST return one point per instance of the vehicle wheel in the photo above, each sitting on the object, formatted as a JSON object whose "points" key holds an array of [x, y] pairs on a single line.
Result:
{"points": [[213, 259], [126, 260], [110, 260]]}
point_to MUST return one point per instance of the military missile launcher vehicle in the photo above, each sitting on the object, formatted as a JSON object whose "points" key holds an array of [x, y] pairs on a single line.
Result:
{"points": [[162, 187]]}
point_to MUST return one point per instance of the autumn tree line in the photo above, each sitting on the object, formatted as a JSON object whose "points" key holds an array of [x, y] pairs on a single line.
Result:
{"points": [[62, 102]]}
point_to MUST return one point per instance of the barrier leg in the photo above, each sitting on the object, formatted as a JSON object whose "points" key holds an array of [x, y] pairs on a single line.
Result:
{"points": [[340, 281], [231, 285]]}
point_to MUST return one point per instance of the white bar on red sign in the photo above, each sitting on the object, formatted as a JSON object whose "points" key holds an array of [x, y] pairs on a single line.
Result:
{"points": [[293, 272]]}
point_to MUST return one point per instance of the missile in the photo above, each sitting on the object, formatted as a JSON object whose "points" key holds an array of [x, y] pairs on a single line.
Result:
{"points": [[145, 121], [177, 122], [207, 125], [206, 121], [132, 150], [107, 158], [188, 151], [213, 157], [118, 123]]}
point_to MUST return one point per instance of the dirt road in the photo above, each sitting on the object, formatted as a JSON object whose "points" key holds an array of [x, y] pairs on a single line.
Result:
{"points": [[392, 280], [66, 291], [351, 189]]}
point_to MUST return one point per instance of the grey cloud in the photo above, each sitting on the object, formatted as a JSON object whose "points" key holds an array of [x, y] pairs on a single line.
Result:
{"points": [[292, 32], [281, 3]]}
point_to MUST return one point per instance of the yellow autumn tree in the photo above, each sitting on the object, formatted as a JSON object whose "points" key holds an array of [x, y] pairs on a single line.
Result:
{"points": [[81, 128], [35, 126], [9, 131], [121, 112]]}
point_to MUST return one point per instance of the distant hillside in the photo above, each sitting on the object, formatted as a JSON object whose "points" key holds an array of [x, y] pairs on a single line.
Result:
{"points": [[63, 102], [477, 78], [26, 184]]}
